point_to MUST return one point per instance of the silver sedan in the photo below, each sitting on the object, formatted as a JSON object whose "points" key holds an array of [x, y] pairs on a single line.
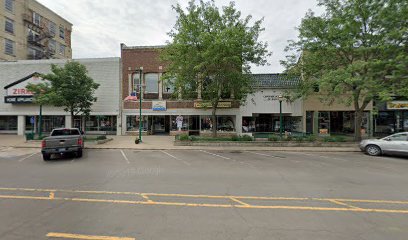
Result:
{"points": [[396, 144]]}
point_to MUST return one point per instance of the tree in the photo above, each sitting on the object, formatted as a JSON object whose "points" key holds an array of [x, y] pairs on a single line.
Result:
{"points": [[69, 87], [211, 50], [356, 52]]}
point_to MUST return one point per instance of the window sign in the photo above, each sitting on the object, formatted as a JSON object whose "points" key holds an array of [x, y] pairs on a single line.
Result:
{"points": [[159, 106]]}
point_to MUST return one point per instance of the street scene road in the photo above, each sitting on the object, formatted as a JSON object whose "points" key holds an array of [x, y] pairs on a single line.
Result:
{"points": [[202, 194]]}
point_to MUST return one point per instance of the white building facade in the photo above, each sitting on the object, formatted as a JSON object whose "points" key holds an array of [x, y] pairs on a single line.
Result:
{"points": [[19, 115]]}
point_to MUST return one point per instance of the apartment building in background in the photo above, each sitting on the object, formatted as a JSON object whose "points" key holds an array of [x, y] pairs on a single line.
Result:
{"points": [[29, 30]]}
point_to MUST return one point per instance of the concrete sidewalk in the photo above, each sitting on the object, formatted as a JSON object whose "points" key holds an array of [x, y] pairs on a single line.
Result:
{"points": [[163, 143]]}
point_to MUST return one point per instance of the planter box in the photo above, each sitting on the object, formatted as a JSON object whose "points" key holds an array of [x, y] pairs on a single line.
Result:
{"points": [[265, 144]]}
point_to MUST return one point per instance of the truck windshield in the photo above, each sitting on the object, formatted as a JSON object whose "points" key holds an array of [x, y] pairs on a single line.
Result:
{"points": [[64, 132]]}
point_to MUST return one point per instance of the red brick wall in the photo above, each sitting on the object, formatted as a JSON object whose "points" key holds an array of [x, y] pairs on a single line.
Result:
{"points": [[148, 58]]}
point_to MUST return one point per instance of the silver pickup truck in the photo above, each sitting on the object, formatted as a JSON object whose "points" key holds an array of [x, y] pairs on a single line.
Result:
{"points": [[62, 141]]}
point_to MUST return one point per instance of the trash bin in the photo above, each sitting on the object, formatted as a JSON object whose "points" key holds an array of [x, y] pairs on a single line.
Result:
{"points": [[29, 136]]}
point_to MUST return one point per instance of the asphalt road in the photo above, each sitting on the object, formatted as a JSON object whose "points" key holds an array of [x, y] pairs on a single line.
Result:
{"points": [[125, 194]]}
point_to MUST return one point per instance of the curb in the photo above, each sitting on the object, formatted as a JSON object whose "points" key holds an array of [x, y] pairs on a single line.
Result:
{"points": [[283, 149]]}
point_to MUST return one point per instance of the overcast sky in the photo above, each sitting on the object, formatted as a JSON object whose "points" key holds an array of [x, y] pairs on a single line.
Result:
{"points": [[100, 26]]}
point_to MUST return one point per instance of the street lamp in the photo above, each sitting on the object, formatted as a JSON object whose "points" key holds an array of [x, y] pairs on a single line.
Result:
{"points": [[140, 104], [280, 98], [133, 98]]}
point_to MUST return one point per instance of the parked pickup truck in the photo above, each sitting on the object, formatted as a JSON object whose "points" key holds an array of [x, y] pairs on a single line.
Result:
{"points": [[62, 141]]}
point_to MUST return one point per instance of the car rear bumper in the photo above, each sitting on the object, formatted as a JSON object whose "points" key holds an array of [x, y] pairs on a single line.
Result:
{"points": [[60, 150]]}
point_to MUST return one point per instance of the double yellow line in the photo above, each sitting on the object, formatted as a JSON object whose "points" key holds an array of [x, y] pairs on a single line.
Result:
{"points": [[344, 205], [86, 237]]}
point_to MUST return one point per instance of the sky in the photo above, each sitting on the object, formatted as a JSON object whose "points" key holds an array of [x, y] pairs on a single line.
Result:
{"points": [[99, 26]]}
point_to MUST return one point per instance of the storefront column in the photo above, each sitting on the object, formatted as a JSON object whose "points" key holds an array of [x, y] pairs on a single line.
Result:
{"points": [[238, 124], [68, 121], [316, 122], [160, 85], [21, 125]]}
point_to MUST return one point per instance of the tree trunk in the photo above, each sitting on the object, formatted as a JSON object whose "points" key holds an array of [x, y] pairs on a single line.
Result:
{"points": [[358, 121], [72, 119], [214, 120]]}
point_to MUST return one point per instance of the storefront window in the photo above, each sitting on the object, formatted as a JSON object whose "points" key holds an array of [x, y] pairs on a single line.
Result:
{"points": [[179, 123], [292, 124], [28, 125], [98, 123], [206, 123], [248, 124], [405, 121], [8, 123], [324, 122], [132, 123], [225, 124], [385, 122]]}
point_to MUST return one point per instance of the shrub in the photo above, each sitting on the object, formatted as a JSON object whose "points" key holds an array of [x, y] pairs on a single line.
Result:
{"points": [[193, 138], [245, 138], [288, 138], [101, 137], [310, 138], [183, 137], [334, 139], [235, 138], [273, 138]]}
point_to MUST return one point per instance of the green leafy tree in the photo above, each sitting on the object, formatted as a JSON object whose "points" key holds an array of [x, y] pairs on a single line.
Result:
{"points": [[69, 87], [354, 53], [211, 50]]}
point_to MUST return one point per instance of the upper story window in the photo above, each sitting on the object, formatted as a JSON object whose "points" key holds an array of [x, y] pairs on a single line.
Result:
{"points": [[36, 18], [9, 47], [62, 32], [168, 86], [9, 27], [52, 45], [136, 77], [152, 82], [62, 49], [52, 28], [33, 36], [9, 5]]}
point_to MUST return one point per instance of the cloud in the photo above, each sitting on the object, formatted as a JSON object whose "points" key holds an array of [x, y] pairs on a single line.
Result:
{"points": [[100, 26]]}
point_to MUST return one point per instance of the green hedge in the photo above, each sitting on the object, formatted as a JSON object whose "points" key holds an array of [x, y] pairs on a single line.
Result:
{"points": [[185, 137]]}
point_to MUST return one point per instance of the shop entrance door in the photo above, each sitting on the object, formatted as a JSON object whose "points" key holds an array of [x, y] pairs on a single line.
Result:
{"points": [[161, 125]]}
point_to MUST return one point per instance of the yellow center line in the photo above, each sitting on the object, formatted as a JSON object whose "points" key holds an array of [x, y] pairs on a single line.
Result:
{"points": [[88, 237], [238, 201], [214, 205], [343, 204], [144, 196], [21, 193]]}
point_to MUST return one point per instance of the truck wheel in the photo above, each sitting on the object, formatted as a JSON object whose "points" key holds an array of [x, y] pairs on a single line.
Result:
{"points": [[46, 156], [79, 153]]}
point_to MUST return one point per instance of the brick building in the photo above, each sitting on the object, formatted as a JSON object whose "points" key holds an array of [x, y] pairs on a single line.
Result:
{"points": [[163, 110]]}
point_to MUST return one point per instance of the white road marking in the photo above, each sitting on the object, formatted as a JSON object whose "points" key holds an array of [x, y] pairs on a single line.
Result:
{"points": [[124, 156], [168, 154], [27, 157], [265, 155], [215, 155], [317, 155]]}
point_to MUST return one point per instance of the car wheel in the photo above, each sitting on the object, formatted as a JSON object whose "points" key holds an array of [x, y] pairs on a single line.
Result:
{"points": [[79, 153], [373, 150], [46, 156]]}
